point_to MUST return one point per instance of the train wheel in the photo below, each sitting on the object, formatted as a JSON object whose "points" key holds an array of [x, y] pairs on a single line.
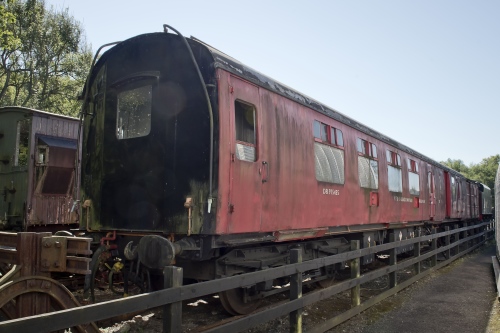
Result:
{"points": [[19, 295], [329, 277], [234, 303], [325, 283]]}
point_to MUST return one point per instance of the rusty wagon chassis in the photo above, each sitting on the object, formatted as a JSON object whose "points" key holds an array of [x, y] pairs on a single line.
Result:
{"points": [[28, 262]]}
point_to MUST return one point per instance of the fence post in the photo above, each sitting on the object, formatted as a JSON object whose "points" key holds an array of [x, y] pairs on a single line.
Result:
{"points": [[473, 233], [295, 317], [457, 238], [466, 233], [434, 247], [476, 232], [447, 242], [416, 253], [172, 313], [355, 273], [393, 260]]}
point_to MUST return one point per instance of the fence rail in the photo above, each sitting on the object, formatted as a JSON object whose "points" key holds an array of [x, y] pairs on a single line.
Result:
{"points": [[467, 239]]}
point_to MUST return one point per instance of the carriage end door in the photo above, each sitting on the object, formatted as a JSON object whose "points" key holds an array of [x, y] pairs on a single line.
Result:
{"points": [[246, 170]]}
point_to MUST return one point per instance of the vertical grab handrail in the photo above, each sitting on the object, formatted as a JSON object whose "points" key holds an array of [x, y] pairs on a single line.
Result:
{"points": [[210, 112]]}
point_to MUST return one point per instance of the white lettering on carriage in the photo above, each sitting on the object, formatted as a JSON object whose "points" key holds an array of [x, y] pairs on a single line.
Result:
{"points": [[329, 191], [402, 199]]}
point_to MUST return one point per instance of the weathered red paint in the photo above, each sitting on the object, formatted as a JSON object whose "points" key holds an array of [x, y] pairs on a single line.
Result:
{"points": [[291, 198]]}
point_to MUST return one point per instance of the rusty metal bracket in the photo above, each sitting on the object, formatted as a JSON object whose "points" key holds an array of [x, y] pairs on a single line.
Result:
{"points": [[53, 254], [79, 245], [78, 265], [57, 253]]}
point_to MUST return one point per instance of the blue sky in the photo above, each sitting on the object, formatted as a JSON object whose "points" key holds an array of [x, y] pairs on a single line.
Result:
{"points": [[426, 73]]}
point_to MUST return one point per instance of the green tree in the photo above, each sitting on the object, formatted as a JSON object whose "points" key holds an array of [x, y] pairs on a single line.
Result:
{"points": [[7, 39], [485, 171], [47, 67], [457, 165]]}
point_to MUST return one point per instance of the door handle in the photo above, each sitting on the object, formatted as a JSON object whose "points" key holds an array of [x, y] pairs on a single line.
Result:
{"points": [[265, 167]]}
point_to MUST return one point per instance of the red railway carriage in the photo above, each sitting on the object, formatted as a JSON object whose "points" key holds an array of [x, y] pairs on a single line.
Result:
{"points": [[311, 175], [192, 157]]}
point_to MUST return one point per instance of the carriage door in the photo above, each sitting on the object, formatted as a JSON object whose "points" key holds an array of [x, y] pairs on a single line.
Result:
{"points": [[246, 168], [432, 192], [468, 200]]}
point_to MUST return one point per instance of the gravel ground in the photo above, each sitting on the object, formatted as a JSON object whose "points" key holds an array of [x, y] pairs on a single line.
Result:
{"points": [[458, 298], [461, 297]]}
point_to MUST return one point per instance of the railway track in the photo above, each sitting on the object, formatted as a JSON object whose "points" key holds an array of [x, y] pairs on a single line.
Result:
{"points": [[207, 315]]}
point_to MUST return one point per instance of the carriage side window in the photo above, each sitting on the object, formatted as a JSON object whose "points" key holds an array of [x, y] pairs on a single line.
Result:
{"points": [[22, 141], [328, 134], [367, 148], [336, 137], [395, 180], [244, 119], [413, 177], [339, 137], [134, 113], [328, 153], [367, 164], [320, 131]]}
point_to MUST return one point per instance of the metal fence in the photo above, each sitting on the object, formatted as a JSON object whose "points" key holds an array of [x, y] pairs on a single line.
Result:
{"points": [[466, 239]]}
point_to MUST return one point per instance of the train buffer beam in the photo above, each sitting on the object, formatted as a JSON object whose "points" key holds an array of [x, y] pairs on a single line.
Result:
{"points": [[54, 253]]}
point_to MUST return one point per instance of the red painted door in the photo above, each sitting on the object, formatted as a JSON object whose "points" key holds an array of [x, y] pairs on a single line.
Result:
{"points": [[246, 171], [432, 192]]}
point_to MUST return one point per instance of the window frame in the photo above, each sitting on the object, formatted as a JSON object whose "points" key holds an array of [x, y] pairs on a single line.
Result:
{"points": [[369, 149], [332, 135], [254, 143], [394, 160], [132, 130], [413, 166], [129, 83], [241, 143]]}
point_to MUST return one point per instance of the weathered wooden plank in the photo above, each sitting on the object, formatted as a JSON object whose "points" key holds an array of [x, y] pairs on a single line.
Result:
{"points": [[355, 273], [172, 313], [296, 292]]}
